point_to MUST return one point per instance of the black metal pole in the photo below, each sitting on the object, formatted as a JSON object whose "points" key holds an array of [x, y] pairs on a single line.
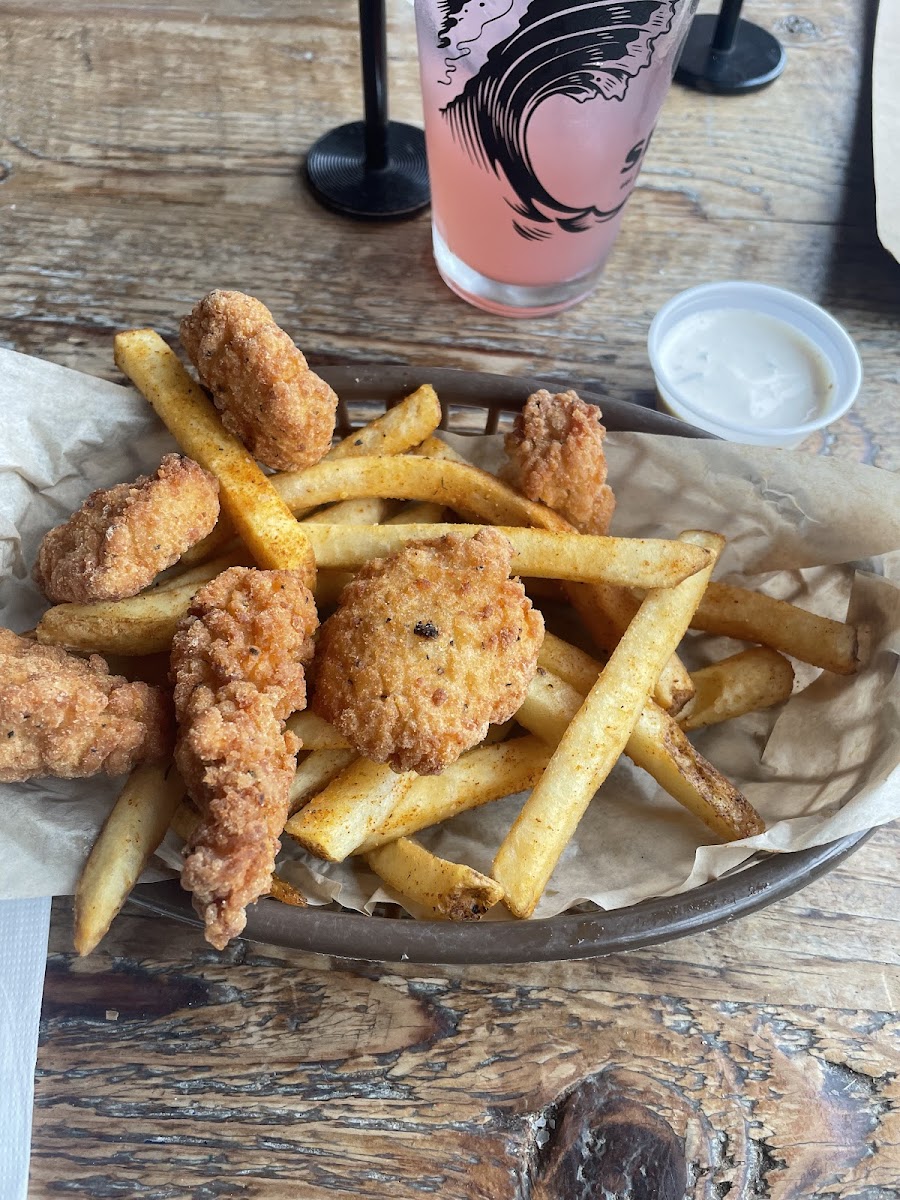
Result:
{"points": [[726, 26], [725, 54], [373, 168], [373, 46]]}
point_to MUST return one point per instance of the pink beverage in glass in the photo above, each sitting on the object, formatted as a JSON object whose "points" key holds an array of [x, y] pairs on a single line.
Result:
{"points": [[537, 117]]}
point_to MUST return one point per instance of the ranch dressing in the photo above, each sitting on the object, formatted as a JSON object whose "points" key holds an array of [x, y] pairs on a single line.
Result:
{"points": [[747, 367]]}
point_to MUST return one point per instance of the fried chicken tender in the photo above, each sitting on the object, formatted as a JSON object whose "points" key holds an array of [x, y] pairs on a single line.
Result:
{"points": [[427, 648], [259, 380], [238, 667], [556, 456], [68, 717], [122, 537]]}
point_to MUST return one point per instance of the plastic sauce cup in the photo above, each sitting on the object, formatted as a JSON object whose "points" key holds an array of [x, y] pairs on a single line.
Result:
{"points": [[752, 363]]}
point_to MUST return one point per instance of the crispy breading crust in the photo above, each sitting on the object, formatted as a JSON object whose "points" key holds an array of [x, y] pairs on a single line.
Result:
{"points": [[122, 537], [556, 456], [269, 398], [238, 667], [68, 717], [426, 649]]}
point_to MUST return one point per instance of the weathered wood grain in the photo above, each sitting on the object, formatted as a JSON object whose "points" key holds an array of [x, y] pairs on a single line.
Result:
{"points": [[753, 1061]]}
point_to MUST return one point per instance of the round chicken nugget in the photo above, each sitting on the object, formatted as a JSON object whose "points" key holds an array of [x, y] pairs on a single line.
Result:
{"points": [[259, 380], [426, 649], [556, 456], [122, 537]]}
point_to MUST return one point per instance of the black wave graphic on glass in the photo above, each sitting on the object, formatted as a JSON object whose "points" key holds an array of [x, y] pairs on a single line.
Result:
{"points": [[586, 51]]}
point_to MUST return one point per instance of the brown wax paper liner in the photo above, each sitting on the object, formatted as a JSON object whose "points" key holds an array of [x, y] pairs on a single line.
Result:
{"points": [[820, 533]]}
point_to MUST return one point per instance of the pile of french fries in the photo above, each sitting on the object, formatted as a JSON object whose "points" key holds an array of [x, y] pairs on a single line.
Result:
{"points": [[387, 484]]}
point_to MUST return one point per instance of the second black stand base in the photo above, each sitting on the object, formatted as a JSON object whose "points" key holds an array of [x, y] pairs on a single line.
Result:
{"points": [[339, 178], [755, 59]]}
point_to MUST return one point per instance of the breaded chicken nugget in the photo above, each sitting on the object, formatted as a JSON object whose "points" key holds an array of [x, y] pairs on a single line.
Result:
{"points": [[67, 716], [238, 668], [260, 381], [556, 456], [426, 649], [122, 537]]}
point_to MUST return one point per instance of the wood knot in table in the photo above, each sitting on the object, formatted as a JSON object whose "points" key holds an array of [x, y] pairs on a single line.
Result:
{"points": [[598, 1142]]}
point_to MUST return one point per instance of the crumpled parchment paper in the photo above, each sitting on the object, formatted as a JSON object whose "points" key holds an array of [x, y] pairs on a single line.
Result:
{"points": [[821, 533]]}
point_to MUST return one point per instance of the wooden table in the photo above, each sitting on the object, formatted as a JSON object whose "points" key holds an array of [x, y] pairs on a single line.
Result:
{"points": [[150, 152]]}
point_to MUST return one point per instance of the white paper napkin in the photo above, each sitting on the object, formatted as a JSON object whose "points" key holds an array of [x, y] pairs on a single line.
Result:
{"points": [[24, 929]]}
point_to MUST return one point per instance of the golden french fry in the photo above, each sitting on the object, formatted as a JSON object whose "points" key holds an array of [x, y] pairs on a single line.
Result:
{"points": [[399, 429], [745, 682], [749, 616], [344, 813], [535, 552], [419, 512], [435, 447], [606, 612], [596, 737], [263, 521], [470, 492], [217, 542], [285, 892], [236, 555], [370, 511], [658, 746], [484, 774], [445, 890], [315, 733], [143, 624], [130, 835], [316, 771], [661, 747]]}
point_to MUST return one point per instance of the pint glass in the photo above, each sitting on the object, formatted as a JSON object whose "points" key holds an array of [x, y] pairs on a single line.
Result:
{"points": [[538, 114]]}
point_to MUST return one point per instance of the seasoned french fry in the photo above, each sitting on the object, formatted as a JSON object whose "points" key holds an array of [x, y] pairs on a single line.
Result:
{"points": [[535, 552], [745, 682], [260, 516], [749, 616], [658, 746], [420, 512], [316, 771], [606, 612], [370, 511], [130, 835], [343, 814], [402, 427], [315, 733], [143, 624], [445, 890], [435, 447], [484, 774], [663, 749], [596, 737], [470, 492], [285, 892]]}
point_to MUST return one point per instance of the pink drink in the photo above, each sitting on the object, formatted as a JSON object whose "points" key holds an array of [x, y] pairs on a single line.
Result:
{"points": [[537, 116]]}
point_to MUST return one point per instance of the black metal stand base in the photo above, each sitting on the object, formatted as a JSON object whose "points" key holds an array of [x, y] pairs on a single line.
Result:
{"points": [[755, 58], [337, 171]]}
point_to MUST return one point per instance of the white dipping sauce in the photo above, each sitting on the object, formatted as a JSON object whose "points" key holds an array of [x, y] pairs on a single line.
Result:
{"points": [[747, 367]]}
